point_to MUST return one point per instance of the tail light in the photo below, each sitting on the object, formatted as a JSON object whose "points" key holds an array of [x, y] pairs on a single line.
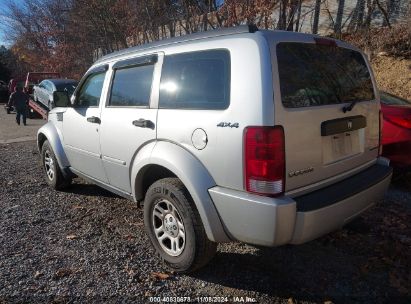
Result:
{"points": [[264, 161], [403, 122]]}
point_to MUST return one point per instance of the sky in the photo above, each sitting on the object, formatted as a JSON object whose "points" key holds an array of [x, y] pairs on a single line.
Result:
{"points": [[3, 18]]}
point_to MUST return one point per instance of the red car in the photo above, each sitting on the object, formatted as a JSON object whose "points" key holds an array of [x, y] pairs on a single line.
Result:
{"points": [[396, 138]]}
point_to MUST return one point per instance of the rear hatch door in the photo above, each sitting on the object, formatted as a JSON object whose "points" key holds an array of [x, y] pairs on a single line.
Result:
{"points": [[325, 99]]}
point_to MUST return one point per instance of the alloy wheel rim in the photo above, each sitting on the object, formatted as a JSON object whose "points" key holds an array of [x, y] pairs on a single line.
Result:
{"points": [[49, 165], [168, 227]]}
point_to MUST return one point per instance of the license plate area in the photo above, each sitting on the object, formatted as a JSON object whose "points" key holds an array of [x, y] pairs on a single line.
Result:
{"points": [[341, 146]]}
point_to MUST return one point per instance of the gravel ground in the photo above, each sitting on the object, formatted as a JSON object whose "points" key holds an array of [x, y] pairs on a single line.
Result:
{"points": [[88, 245]]}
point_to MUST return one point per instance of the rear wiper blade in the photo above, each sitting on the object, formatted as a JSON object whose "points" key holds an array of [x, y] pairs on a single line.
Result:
{"points": [[350, 106]]}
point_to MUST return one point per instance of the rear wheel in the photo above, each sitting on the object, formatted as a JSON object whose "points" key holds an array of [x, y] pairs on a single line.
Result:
{"points": [[54, 176], [175, 227]]}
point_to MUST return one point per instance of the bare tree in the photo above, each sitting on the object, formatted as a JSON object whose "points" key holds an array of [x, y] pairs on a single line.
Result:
{"points": [[297, 22], [384, 12], [282, 20], [338, 19], [361, 12], [316, 16]]}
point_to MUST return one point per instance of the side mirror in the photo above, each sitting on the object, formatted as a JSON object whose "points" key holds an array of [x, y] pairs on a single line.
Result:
{"points": [[61, 99]]}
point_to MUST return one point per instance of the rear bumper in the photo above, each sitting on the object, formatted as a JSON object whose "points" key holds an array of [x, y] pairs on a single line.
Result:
{"points": [[268, 221]]}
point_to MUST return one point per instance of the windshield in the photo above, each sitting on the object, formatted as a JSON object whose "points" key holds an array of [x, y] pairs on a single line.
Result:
{"points": [[69, 87], [392, 100], [314, 75]]}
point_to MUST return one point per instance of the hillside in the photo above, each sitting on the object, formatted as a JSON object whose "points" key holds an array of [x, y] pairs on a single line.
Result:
{"points": [[393, 75]]}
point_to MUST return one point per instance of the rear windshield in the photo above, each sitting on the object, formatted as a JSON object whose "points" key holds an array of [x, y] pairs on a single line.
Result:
{"points": [[315, 75]]}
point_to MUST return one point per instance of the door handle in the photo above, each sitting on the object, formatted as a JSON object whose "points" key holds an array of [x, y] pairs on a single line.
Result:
{"points": [[94, 119], [143, 123]]}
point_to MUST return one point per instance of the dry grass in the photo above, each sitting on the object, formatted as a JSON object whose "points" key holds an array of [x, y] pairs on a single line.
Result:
{"points": [[390, 53], [393, 75], [395, 41]]}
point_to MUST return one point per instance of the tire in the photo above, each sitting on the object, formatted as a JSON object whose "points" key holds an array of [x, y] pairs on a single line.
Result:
{"points": [[168, 205], [54, 176]]}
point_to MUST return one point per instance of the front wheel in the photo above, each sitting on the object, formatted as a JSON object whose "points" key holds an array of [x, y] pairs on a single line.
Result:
{"points": [[54, 176], [175, 227]]}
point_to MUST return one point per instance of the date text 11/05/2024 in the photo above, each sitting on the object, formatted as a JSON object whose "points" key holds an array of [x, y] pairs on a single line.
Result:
{"points": [[234, 299]]}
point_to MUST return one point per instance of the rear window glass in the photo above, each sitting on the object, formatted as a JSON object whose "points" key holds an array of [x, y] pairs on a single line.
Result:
{"points": [[315, 75], [196, 80]]}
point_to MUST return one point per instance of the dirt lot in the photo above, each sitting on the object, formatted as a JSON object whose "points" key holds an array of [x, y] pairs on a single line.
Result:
{"points": [[10, 132], [86, 244]]}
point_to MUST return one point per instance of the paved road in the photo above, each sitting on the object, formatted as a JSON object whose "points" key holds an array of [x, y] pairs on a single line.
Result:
{"points": [[11, 132]]}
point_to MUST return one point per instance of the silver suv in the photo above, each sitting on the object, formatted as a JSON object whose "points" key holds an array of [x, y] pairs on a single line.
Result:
{"points": [[263, 137]]}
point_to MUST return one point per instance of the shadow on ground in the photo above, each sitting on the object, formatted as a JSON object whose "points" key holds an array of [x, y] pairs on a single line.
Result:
{"points": [[402, 180], [312, 272], [81, 188], [366, 262]]}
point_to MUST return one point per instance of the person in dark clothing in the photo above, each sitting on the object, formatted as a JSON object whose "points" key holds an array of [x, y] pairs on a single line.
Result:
{"points": [[19, 101]]}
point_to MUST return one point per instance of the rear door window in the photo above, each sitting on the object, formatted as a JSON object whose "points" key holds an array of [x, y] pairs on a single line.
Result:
{"points": [[196, 80], [315, 75]]}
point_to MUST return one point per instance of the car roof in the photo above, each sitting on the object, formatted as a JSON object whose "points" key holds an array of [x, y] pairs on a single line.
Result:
{"points": [[205, 35], [185, 38], [61, 81]]}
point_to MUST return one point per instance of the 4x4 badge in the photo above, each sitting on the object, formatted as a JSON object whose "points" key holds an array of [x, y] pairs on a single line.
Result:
{"points": [[228, 125]]}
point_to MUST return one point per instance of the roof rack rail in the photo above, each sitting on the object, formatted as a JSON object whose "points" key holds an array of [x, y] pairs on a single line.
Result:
{"points": [[250, 28]]}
